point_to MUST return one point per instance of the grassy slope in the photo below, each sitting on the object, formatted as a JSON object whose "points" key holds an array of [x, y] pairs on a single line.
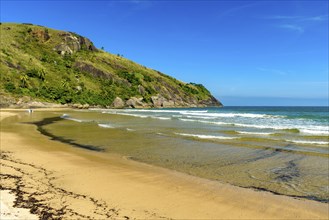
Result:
{"points": [[31, 67]]}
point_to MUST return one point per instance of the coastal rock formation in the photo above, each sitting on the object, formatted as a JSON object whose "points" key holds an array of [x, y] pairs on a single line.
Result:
{"points": [[134, 102], [80, 106], [158, 101], [118, 103], [65, 68]]}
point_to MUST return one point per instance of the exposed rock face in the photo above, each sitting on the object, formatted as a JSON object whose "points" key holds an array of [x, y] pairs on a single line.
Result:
{"points": [[41, 35], [73, 43], [210, 102], [25, 102], [161, 102], [158, 101], [11, 65], [85, 67], [85, 42], [168, 104], [118, 103], [63, 49], [134, 102], [141, 90]]}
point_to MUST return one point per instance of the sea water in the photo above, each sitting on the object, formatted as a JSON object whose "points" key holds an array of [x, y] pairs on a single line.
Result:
{"points": [[283, 150]]}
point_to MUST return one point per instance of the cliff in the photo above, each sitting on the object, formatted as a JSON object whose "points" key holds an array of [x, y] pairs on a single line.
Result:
{"points": [[42, 64]]}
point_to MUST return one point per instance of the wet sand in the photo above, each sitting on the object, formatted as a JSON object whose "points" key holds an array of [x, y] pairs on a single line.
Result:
{"points": [[55, 180]]}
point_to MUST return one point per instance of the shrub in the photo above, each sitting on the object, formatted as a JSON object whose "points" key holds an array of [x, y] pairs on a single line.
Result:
{"points": [[130, 77], [147, 78], [10, 87]]}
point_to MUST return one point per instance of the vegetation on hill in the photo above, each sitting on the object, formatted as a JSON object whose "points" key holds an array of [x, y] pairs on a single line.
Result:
{"points": [[63, 67]]}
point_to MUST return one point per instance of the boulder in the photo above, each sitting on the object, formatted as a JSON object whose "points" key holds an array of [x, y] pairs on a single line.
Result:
{"points": [[134, 102], [87, 44], [141, 89], [73, 43], [81, 106], [158, 101], [63, 49], [168, 104], [118, 103]]}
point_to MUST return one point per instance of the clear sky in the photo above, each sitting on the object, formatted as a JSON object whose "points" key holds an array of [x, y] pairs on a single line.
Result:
{"points": [[244, 52]]}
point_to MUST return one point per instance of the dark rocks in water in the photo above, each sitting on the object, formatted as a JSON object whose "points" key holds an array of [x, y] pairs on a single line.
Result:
{"points": [[287, 173]]}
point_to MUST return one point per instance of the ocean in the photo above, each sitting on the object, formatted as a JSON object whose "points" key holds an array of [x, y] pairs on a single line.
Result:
{"points": [[283, 150]]}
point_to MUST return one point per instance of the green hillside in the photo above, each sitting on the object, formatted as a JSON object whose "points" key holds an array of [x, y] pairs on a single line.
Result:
{"points": [[63, 67]]}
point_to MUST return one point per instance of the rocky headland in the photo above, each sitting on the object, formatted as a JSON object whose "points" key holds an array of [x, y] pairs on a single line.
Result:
{"points": [[42, 65]]}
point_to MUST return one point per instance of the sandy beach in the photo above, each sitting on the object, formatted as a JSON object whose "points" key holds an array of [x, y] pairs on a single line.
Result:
{"points": [[54, 180]]}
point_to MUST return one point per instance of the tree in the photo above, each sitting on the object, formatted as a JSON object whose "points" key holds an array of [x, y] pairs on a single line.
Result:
{"points": [[65, 84], [41, 74], [24, 80]]}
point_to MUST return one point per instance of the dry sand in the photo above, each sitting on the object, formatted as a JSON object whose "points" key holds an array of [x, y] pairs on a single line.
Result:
{"points": [[55, 180], [8, 211]]}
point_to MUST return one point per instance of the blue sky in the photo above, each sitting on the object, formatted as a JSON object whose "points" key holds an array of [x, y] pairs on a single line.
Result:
{"points": [[244, 52]]}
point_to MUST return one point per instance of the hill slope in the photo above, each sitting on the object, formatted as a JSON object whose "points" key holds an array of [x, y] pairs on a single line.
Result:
{"points": [[63, 67]]}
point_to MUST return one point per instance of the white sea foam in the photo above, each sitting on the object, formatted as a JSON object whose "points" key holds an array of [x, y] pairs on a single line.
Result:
{"points": [[163, 111], [129, 129], [310, 142], [67, 117], [161, 118], [105, 125], [315, 132], [133, 115], [200, 117], [203, 121], [256, 126], [254, 133], [206, 136], [306, 129], [185, 119], [75, 119], [230, 115]]}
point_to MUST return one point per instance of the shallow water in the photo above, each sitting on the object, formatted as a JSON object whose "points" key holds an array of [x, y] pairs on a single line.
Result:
{"points": [[282, 150]]}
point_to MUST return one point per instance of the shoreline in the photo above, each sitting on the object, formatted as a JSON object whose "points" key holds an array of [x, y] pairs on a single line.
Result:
{"points": [[47, 121], [131, 189]]}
